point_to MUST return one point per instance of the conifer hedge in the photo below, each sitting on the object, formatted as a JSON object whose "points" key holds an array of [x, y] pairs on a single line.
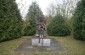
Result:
{"points": [[58, 27], [10, 20], [79, 21], [34, 12]]}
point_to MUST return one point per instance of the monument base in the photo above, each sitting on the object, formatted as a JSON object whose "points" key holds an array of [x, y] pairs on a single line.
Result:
{"points": [[41, 42]]}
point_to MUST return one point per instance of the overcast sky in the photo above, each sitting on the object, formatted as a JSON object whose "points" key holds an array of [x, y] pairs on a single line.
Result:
{"points": [[23, 5]]}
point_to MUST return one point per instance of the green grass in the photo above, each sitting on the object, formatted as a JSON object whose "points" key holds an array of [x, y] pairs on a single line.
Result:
{"points": [[72, 46]]}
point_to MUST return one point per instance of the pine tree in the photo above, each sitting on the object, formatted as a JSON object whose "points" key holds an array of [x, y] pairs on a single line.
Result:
{"points": [[79, 21], [10, 20], [31, 19], [58, 27]]}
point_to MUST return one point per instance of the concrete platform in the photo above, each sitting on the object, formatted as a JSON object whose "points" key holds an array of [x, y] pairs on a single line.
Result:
{"points": [[52, 46]]}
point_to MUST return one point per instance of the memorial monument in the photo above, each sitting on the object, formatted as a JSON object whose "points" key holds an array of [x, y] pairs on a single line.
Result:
{"points": [[40, 38], [40, 42]]}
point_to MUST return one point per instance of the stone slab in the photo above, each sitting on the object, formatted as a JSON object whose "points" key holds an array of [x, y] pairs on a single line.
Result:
{"points": [[43, 42]]}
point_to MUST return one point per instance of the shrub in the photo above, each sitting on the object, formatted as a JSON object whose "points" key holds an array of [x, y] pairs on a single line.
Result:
{"points": [[58, 27], [10, 20], [79, 21], [34, 12]]}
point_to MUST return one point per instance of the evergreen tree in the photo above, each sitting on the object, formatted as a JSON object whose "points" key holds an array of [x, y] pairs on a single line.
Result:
{"points": [[79, 21], [10, 20], [31, 19], [57, 27]]}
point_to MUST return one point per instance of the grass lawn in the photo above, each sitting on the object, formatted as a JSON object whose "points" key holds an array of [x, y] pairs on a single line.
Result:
{"points": [[72, 46]]}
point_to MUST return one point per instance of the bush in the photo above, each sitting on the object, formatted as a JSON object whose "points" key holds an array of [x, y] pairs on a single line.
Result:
{"points": [[79, 21], [30, 29], [10, 20], [34, 12], [57, 27]]}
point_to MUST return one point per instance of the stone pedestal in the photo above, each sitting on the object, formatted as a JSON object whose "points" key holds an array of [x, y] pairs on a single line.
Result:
{"points": [[41, 42]]}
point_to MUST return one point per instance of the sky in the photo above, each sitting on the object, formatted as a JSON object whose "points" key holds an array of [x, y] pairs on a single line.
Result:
{"points": [[23, 5]]}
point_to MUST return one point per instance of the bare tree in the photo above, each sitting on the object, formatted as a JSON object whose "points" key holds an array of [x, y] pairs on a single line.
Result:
{"points": [[51, 10], [66, 8]]}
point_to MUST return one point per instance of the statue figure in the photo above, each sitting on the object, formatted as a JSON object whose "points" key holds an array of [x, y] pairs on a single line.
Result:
{"points": [[40, 32]]}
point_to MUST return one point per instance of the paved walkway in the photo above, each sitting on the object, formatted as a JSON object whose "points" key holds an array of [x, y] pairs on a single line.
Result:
{"points": [[27, 47]]}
